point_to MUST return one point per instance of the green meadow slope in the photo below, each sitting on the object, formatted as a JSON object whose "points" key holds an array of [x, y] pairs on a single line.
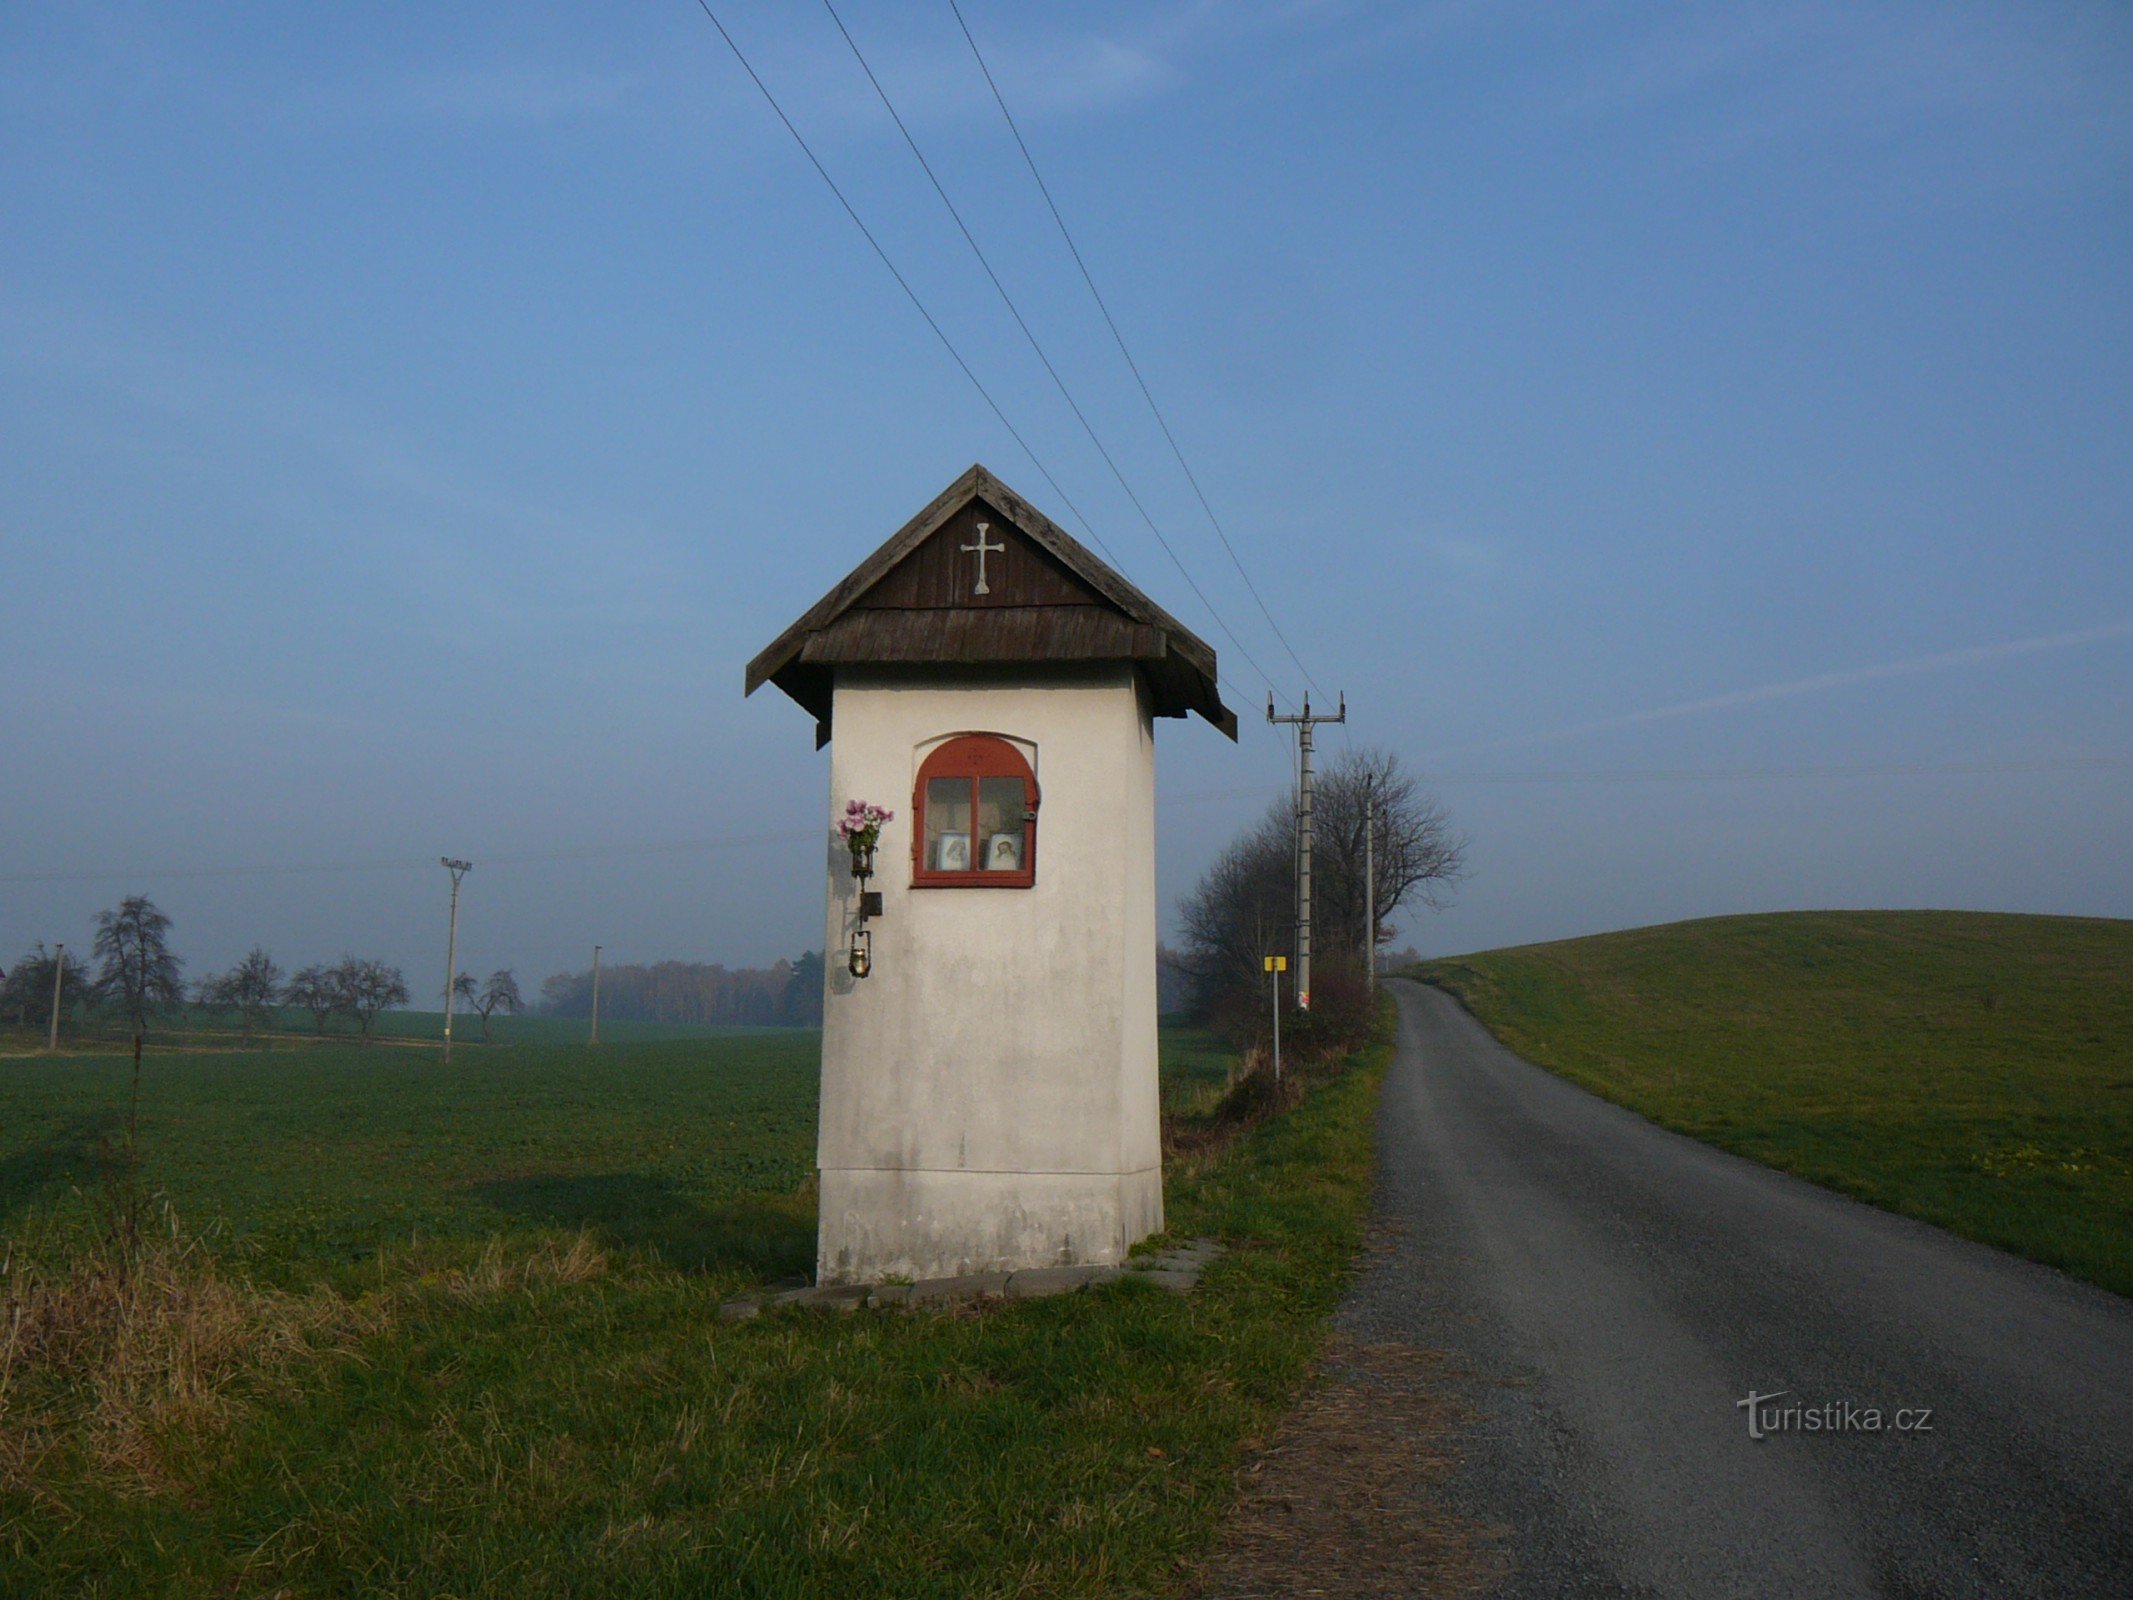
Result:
{"points": [[1968, 1069]]}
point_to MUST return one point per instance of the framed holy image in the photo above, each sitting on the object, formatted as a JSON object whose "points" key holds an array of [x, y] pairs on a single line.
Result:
{"points": [[953, 853]]}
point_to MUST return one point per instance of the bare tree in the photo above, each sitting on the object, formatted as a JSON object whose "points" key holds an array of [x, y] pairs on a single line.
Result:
{"points": [[26, 996], [367, 987], [1244, 906], [500, 993], [251, 989], [138, 973], [318, 991], [1418, 857]]}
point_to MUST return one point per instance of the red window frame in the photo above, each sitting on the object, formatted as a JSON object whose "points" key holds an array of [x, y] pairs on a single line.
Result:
{"points": [[974, 756]]}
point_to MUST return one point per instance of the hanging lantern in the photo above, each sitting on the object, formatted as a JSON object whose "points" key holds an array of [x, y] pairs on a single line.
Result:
{"points": [[861, 961]]}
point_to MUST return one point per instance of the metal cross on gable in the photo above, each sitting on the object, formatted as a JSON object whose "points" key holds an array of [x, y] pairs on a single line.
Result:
{"points": [[981, 549]]}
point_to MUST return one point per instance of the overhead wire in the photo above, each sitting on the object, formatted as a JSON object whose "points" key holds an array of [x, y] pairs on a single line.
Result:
{"points": [[901, 282], [918, 304], [496, 858], [1119, 338], [1043, 357]]}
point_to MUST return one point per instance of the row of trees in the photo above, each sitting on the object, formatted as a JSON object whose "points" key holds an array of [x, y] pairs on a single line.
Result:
{"points": [[137, 975], [139, 979], [1244, 907], [786, 993], [254, 992]]}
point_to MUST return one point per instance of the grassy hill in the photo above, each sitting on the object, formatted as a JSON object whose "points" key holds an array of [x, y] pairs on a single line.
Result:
{"points": [[1971, 1070]]}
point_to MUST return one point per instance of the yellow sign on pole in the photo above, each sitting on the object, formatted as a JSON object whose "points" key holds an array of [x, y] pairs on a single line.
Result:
{"points": [[1276, 964]]}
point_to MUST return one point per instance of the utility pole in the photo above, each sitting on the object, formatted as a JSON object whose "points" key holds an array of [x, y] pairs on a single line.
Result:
{"points": [[1370, 888], [596, 995], [59, 971], [1304, 722], [458, 870]]}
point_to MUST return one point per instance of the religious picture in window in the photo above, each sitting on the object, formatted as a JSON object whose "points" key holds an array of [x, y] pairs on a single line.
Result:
{"points": [[977, 816], [1000, 823], [947, 811]]}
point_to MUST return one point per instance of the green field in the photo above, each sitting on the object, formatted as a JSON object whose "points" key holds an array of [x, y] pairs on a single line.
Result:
{"points": [[1971, 1070], [195, 1028], [455, 1333], [301, 1163]]}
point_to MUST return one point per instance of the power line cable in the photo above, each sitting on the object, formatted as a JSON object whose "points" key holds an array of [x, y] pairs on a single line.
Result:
{"points": [[918, 304], [416, 863], [1057, 381], [1132, 365], [901, 282], [1872, 769]]}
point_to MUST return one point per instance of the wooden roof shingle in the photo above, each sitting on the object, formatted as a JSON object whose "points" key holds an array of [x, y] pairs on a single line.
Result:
{"points": [[1048, 599]]}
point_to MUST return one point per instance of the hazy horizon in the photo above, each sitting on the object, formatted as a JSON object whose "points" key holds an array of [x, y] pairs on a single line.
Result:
{"points": [[1694, 441]]}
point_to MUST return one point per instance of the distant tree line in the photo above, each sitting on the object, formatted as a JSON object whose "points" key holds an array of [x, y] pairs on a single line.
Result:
{"points": [[787, 993], [134, 979]]}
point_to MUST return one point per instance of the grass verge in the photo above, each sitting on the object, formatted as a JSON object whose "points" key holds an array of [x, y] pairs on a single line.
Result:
{"points": [[1971, 1070], [486, 1420]]}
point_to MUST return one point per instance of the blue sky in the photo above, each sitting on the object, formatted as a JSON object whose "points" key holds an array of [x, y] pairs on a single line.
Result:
{"points": [[412, 419]]}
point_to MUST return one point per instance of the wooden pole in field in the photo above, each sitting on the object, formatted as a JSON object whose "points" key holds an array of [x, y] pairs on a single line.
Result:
{"points": [[59, 971], [596, 995], [458, 870]]}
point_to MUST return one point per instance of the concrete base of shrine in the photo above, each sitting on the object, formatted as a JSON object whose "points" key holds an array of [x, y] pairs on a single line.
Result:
{"points": [[879, 1223]]}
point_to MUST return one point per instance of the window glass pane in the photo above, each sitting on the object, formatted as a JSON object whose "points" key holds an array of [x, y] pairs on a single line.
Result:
{"points": [[1002, 832], [948, 824]]}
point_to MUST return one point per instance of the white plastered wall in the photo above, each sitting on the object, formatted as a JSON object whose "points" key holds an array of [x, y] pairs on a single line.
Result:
{"points": [[989, 1093]]}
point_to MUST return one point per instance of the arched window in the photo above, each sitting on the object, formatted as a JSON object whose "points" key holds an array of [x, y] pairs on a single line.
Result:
{"points": [[974, 817]]}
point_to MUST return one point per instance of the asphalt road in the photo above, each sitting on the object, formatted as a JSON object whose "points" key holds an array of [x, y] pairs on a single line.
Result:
{"points": [[1608, 1292]]}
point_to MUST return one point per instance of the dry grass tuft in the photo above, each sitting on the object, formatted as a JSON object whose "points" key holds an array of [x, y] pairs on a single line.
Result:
{"points": [[497, 1271], [107, 1354], [110, 1355]]}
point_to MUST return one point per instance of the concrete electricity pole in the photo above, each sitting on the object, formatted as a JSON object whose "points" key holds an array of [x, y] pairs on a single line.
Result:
{"points": [[59, 971], [458, 870], [1304, 724], [596, 995]]}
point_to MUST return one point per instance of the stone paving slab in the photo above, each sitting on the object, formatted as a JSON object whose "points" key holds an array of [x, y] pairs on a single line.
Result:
{"points": [[1166, 1278], [1034, 1282], [968, 1286]]}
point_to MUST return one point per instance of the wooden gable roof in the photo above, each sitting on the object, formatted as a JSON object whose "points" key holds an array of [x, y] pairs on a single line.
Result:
{"points": [[1047, 598]]}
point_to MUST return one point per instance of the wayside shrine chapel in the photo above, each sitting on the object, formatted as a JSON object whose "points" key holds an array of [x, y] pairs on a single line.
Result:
{"points": [[989, 1097]]}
